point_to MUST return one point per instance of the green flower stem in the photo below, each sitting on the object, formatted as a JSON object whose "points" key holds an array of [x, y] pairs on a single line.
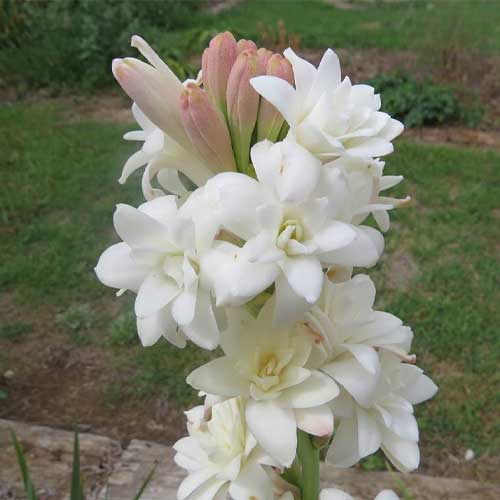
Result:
{"points": [[308, 455]]}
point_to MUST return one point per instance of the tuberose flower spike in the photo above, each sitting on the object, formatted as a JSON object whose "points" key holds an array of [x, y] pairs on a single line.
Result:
{"points": [[258, 259]]}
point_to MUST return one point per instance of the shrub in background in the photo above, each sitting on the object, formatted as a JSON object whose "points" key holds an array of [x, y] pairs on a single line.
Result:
{"points": [[71, 43], [419, 103]]}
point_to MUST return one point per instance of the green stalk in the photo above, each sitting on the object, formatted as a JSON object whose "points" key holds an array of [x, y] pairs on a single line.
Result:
{"points": [[309, 458]]}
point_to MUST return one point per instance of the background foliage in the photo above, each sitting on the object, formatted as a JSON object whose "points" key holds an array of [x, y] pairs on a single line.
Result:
{"points": [[71, 43]]}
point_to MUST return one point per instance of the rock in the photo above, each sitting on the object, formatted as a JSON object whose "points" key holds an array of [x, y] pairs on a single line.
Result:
{"points": [[48, 453], [115, 474], [8, 375]]}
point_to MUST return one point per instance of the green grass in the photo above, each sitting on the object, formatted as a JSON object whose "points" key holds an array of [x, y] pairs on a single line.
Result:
{"points": [[405, 25], [58, 191], [58, 188]]}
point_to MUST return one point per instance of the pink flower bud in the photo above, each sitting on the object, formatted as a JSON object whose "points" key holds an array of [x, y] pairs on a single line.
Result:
{"points": [[270, 120], [154, 88], [245, 45], [216, 63], [242, 106], [263, 56], [206, 127]]}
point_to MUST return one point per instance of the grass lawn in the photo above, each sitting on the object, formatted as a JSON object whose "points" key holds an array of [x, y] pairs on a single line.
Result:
{"points": [[58, 189], [390, 26]]}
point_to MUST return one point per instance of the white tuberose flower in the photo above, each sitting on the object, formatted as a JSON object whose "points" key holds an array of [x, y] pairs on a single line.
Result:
{"points": [[364, 180], [347, 332], [158, 260], [330, 117], [288, 232], [163, 157], [268, 366], [156, 93], [387, 422], [221, 456]]}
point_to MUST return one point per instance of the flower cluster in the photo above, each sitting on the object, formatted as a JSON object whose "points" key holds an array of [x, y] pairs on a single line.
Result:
{"points": [[266, 168]]}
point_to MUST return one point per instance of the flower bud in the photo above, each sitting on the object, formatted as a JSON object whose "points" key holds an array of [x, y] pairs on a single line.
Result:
{"points": [[154, 88], [217, 61], [245, 45], [242, 106], [263, 56], [206, 127], [270, 120]]}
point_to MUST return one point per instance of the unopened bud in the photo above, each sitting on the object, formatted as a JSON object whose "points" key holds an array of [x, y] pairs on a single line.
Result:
{"points": [[242, 106], [217, 61], [156, 94], [245, 45], [270, 120], [206, 127], [263, 57]]}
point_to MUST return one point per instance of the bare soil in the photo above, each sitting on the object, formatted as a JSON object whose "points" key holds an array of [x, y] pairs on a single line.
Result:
{"points": [[52, 381]]}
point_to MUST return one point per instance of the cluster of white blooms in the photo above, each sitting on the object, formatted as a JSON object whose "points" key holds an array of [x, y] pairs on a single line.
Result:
{"points": [[258, 260]]}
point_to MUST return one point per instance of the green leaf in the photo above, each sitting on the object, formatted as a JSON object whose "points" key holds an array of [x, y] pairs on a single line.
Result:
{"points": [[3, 394], [76, 480], [28, 485], [145, 483]]}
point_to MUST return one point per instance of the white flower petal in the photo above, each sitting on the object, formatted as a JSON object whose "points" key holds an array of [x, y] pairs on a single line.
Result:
{"points": [[343, 451], [203, 330], [334, 236], [354, 378], [290, 307], [139, 230], [304, 73], [304, 275], [316, 390], [207, 491], [155, 293], [274, 428], [387, 495], [162, 209], [317, 421], [334, 494], [369, 436], [116, 268], [220, 377], [194, 481], [364, 250], [279, 93], [423, 389], [152, 327], [366, 356], [252, 482], [404, 454]]}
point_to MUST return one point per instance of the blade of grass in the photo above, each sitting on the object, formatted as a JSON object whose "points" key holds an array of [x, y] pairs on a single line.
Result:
{"points": [[28, 484], [76, 479], [145, 483]]}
